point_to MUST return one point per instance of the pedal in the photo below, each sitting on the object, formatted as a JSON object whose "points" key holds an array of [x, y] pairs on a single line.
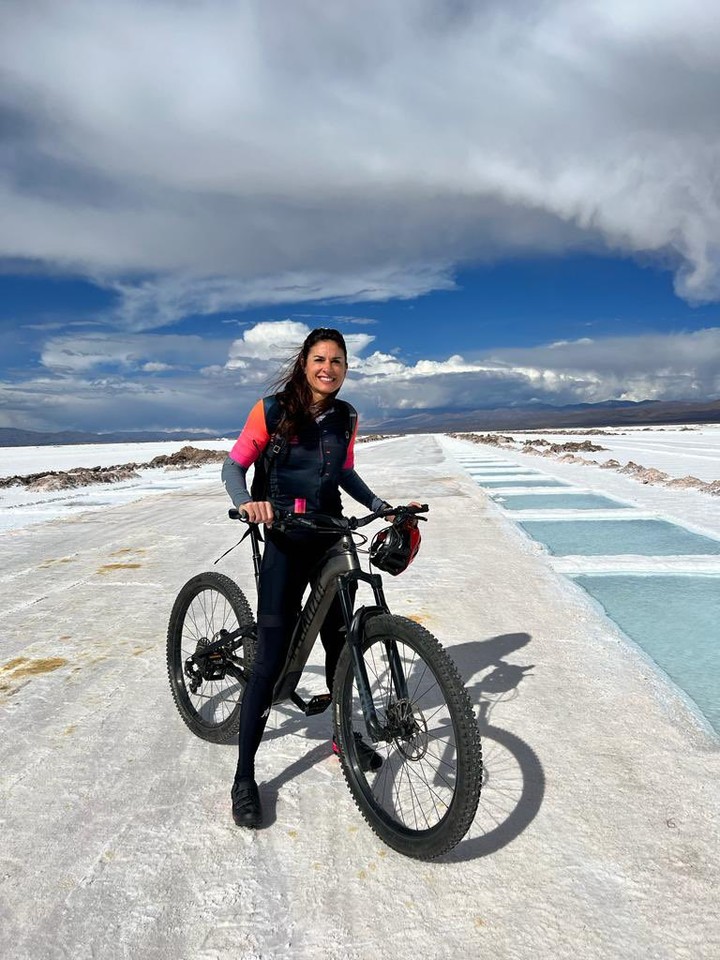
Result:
{"points": [[318, 704]]}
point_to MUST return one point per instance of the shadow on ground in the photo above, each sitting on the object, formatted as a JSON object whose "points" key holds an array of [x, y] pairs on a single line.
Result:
{"points": [[513, 779]]}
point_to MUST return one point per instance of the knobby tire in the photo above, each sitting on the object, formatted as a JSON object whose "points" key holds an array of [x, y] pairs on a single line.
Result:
{"points": [[206, 604], [423, 799]]}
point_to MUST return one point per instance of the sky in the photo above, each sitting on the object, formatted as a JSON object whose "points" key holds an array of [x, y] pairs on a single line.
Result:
{"points": [[497, 203]]}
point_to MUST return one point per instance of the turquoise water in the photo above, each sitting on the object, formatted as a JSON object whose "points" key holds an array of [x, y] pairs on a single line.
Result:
{"points": [[481, 467], [596, 538], [560, 501], [499, 471], [534, 480], [514, 471], [675, 620]]}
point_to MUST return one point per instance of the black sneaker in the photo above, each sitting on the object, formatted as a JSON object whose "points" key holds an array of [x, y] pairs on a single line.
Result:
{"points": [[368, 758], [246, 809]]}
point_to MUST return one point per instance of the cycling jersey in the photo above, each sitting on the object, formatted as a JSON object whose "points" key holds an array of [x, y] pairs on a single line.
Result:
{"points": [[313, 465]]}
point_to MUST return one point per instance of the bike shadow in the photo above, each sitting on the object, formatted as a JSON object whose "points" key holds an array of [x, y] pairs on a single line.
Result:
{"points": [[270, 789], [513, 783], [310, 729]]}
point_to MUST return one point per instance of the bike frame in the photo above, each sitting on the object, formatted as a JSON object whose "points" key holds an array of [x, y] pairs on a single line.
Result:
{"points": [[338, 571]]}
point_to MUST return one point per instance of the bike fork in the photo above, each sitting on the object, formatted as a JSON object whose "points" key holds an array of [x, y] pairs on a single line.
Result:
{"points": [[355, 623]]}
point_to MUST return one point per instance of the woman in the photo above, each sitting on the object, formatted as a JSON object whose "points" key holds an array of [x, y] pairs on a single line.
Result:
{"points": [[313, 440]]}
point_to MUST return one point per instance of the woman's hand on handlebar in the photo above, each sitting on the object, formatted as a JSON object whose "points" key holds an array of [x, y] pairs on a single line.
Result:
{"points": [[257, 511], [413, 503]]}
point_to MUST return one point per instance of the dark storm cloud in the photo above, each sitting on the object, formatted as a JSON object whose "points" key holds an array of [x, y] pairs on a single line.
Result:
{"points": [[320, 146]]}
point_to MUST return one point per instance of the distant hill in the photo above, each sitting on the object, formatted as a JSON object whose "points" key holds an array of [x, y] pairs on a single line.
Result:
{"points": [[540, 416], [11, 437], [613, 413]]}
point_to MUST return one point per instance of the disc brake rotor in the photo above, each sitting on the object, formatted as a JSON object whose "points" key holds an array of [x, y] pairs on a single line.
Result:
{"points": [[408, 728]]}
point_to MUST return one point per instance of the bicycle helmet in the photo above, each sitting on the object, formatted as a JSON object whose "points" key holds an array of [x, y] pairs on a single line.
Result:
{"points": [[393, 549]]}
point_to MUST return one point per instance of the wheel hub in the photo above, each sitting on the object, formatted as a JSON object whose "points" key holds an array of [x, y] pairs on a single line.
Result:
{"points": [[408, 729], [199, 667]]}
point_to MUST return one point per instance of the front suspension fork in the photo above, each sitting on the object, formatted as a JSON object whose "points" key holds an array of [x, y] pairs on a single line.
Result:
{"points": [[355, 626]]}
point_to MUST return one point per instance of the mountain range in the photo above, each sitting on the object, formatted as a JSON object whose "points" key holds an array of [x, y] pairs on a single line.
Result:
{"points": [[543, 416], [532, 417], [15, 437]]}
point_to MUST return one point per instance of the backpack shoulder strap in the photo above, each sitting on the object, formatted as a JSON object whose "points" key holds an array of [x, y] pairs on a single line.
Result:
{"points": [[351, 418], [275, 446], [273, 414]]}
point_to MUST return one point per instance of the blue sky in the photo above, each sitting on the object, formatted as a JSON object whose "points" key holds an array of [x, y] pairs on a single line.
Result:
{"points": [[498, 204]]}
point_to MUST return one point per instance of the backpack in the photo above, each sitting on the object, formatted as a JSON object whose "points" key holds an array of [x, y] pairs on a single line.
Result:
{"points": [[277, 443]]}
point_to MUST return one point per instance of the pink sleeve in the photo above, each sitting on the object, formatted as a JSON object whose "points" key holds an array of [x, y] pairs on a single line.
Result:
{"points": [[350, 458], [253, 439]]}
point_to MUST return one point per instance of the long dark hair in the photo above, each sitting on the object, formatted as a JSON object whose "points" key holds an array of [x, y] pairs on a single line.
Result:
{"points": [[292, 387]]}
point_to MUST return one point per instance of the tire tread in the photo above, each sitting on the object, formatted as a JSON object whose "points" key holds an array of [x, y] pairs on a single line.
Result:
{"points": [[427, 845], [211, 580]]}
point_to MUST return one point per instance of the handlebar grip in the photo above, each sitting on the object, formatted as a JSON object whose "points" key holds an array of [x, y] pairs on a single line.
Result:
{"points": [[236, 514]]}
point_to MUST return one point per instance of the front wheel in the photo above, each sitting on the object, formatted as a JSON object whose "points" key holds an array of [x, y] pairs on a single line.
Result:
{"points": [[424, 797], [208, 690]]}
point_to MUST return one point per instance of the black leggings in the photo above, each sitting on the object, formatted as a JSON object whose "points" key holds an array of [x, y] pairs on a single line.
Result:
{"points": [[287, 563]]}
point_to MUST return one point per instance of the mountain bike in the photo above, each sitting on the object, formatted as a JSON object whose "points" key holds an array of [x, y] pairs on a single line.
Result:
{"points": [[395, 686]]}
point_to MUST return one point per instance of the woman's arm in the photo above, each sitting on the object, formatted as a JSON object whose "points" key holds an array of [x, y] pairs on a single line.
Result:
{"points": [[246, 450], [353, 484], [233, 478], [359, 490]]}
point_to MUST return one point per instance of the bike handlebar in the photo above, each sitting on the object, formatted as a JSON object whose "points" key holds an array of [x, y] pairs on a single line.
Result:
{"points": [[285, 519]]}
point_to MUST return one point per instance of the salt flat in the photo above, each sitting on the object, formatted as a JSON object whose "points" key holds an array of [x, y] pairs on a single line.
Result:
{"points": [[597, 830], [690, 448], [24, 460], [22, 507], [678, 451]]}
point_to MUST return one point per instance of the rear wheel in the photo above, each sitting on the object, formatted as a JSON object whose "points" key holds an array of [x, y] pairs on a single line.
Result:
{"points": [[208, 691], [423, 798]]}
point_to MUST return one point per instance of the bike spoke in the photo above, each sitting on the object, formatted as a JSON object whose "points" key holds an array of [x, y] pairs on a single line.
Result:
{"points": [[417, 780], [207, 615]]}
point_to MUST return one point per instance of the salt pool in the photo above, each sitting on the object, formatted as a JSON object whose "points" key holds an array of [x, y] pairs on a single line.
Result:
{"points": [[482, 467], [675, 620], [595, 538], [672, 617], [560, 501], [478, 473], [531, 480]]}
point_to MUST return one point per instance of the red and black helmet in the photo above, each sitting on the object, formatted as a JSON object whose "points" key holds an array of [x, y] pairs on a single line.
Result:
{"points": [[394, 548]]}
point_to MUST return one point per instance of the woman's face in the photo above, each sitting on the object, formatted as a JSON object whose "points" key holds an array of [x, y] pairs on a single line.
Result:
{"points": [[325, 368]]}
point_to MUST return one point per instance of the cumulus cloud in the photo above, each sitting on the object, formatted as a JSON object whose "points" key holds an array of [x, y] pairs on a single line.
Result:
{"points": [[679, 366], [87, 382], [197, 154], [278, 341], [683, 366]]}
